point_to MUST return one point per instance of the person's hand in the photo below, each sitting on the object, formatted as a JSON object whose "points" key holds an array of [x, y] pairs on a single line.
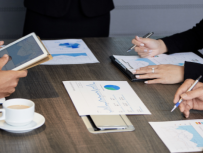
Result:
{"points": [[1, 43], [165, 74], [9, 79], [192, 99], [147, 47]]}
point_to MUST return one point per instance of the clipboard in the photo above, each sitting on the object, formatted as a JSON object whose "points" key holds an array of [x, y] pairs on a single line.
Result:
{"points": [[48, 58], [125, 71]]}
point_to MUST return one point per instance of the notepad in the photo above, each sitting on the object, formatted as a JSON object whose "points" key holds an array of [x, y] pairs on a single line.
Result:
{"points": [[128, 64]]}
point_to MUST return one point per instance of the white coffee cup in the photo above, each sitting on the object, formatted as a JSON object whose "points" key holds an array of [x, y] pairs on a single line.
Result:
{"points": [[18, 117]]}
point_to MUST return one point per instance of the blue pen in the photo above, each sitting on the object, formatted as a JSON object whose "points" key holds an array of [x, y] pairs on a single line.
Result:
{"points": [[193, 85]]}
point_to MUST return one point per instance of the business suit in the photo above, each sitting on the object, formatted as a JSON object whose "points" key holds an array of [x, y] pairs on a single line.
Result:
{"points": [[68, 18], [187, 41], [190, 40], [193, 71]]}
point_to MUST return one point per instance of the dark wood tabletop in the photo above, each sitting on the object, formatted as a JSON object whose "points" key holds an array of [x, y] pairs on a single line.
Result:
{"points": [[64, 131]]}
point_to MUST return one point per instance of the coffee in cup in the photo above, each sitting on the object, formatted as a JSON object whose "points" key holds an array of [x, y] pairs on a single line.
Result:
{"points": [[18, 106], [18, 112]]}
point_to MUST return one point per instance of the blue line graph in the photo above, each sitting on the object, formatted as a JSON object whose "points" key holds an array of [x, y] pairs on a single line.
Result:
{"points": [[101, 98]]}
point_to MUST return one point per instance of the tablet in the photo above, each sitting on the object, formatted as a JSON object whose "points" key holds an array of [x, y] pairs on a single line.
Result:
{"points": [[24, 52]]}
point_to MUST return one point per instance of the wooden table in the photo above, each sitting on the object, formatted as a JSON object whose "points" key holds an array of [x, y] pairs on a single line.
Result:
{"points": [[64, 131]]}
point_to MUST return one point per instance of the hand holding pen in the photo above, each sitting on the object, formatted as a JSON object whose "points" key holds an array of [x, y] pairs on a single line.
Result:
{"points": [[191, 93], [147, 47], [145, 36]]}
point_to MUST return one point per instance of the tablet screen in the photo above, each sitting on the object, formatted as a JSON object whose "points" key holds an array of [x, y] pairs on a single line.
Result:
{"points": [[21, 52]]}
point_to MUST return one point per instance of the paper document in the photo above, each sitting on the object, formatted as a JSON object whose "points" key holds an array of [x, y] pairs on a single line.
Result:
{"points": [[181, 136], [104, 98], [69, 51], [135, 62]]}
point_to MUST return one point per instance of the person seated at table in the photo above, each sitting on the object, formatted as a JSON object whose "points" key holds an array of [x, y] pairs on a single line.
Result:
{"points": [[8, 79], [192, 99], [190, 40]]}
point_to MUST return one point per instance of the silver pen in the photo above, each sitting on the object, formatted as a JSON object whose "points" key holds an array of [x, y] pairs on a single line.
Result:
{"points": [[192, 86], [145, 36]]}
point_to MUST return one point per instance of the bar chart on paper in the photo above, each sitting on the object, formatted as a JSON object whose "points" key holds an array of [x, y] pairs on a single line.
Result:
{"points": [[69, 51], [104, 97], [181, 136]]}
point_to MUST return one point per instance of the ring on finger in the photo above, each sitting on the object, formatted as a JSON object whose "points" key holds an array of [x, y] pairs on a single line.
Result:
{"points": [[153, 70]]}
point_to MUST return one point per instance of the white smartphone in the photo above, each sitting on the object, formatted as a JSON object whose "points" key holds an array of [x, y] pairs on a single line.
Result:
{"points": [[23, 52]]}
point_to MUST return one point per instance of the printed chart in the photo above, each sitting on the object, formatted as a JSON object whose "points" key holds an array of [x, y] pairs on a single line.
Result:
{"points": [[69, 51], [181, 136], [104, 97], [133, 63]]}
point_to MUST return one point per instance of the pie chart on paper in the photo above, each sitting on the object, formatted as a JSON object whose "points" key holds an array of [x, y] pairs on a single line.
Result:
{"points": [[111, 87]]}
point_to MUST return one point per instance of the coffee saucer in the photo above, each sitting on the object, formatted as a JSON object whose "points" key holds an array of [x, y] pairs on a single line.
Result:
{"points": [[37, 122]]}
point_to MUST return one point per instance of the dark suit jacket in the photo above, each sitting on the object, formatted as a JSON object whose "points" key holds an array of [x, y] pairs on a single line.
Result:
{"points": [[58, 8], [193, 71], [188, 41]]}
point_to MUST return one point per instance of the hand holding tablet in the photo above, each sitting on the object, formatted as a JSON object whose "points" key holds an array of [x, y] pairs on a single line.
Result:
{"points": [[9, 79], [20, 55], [24, 53]]}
